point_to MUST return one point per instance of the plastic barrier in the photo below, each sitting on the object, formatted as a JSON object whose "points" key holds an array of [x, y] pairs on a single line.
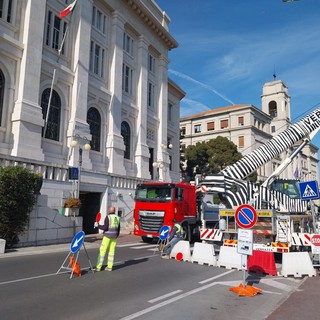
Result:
{"points": [[297, 264], [229, 258], [182, 247], [203, 253], [262, 262]]}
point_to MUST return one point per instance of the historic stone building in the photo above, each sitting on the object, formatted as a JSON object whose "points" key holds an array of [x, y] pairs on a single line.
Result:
{"points": [[97, 77], [248, 127]]}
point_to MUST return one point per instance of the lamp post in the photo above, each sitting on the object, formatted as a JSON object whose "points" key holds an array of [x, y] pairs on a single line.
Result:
{"points": [[158, 165], [83, 143]]}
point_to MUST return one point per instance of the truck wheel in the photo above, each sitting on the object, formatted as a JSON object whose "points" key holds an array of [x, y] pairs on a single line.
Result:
{"points": [[187, 232], [147, 239]]}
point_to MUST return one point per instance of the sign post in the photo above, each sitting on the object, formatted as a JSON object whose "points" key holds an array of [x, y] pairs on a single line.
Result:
{"points": [[75, 246], [245, 217], [163, 238]]}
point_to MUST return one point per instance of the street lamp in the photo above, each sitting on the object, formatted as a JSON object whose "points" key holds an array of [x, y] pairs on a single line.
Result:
{"points": [[158, 165], [83, 143]]}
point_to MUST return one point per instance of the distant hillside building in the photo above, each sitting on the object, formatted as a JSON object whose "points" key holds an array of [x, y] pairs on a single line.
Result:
{"points": [[249, 127], [103, 72]]}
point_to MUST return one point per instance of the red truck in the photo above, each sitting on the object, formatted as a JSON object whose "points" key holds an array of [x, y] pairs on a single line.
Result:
{"points": [[159, 203]]}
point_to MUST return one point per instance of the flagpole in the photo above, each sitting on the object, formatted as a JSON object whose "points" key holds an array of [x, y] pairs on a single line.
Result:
{"points": [[52, 82]]}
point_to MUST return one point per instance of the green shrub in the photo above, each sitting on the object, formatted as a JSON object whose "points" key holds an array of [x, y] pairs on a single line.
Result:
{"points": [[18, 189]]}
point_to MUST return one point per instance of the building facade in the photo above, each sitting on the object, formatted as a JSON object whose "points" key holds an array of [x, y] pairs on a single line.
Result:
{"points": [[249, 127], [96, 77]]}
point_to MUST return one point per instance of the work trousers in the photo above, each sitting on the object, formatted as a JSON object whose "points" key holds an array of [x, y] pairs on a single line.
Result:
{"points": [[106, 244], [171, 244]]}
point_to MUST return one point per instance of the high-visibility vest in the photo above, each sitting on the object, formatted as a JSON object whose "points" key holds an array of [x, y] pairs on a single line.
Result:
{"points": [[114, 222], [179, 230]]}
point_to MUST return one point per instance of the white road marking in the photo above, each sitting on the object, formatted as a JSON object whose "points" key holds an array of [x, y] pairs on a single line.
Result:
{"points": [[164, 303], [130, 244], [145, 247], [165, 296], [218, 276]]}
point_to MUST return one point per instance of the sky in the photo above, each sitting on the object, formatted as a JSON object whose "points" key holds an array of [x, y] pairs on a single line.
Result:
{"points": [[228, 49]]}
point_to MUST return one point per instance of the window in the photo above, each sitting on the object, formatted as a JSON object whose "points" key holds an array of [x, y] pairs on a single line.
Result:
{"points": [[52, 127], [127, 44], [210, 126], [241, 141], [6, 10], [273, 129], [151, 63], [2, 83], [126, 134], [170, 112], [240, 121], [183, 131], [127, 78], [224, 124], [197, 128], [150, 95], [56, 29], [273, 109], [170, 163], [94, 121], [97, 59], [99, 20]]}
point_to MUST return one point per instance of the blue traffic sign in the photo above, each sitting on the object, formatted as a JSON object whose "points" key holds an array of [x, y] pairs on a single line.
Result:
{"points": [[246, 216], [164, 232], [77, 242], [73, 173], [309, 190]]}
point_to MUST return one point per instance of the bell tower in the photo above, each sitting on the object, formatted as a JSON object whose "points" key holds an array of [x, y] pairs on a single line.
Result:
{"points": [[276, 103]]}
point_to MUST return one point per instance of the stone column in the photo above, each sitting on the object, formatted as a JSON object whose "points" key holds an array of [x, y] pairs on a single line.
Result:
{"points": [[142, 154], [162, 154], [80, 34], [115, 144], [26, 118]]}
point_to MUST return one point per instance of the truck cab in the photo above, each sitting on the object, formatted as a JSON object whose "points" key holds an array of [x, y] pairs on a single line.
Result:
{"points": [[160, 203]]}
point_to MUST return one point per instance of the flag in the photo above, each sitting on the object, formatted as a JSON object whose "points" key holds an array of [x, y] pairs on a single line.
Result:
{"points": [[296, 173], [68, 9]]}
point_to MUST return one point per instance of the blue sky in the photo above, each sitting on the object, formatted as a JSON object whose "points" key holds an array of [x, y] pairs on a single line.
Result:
{"points": [[229, 48]]}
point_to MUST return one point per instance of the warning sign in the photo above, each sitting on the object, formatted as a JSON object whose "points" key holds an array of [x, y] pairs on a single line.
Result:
{"points": [[309, 190]]}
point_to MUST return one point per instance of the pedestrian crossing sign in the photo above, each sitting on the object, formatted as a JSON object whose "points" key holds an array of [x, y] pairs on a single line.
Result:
{"points": [[309, 190]]}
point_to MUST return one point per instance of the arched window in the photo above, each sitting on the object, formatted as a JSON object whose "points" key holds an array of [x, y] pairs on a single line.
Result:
{"points": [[52, 127], [94, 121], [2, 83], [126, 134], [273, 109]]}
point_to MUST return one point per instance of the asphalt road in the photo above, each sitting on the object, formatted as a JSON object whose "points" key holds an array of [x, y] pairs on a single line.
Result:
{"points": [[141, 286]]}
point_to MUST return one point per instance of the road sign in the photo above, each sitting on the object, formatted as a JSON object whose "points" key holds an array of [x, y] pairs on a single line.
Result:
{"points": [[77, 242], [315, 240], [245, 242], [73, 173], [246, 216], [309, 190], [164, 232]]}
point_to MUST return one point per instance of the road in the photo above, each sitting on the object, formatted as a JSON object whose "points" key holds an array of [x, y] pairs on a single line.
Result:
{"points": [[142, 286]]}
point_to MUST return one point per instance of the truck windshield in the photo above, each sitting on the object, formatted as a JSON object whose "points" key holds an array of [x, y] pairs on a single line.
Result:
{"points": [[154, 193]]}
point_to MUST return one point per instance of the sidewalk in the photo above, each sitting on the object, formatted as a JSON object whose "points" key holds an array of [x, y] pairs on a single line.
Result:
{"points": [[91, 241], [301, 304]]}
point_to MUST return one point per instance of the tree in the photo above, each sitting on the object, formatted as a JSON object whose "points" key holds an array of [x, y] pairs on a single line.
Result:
{"points": [[18, 190], [211, 157]]}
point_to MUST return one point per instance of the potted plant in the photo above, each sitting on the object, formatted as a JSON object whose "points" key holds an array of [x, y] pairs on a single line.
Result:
{"points": [[72, 206]]}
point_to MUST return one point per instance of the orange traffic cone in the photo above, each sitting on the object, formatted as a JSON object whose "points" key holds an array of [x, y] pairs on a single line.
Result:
{"points": [[75, 267]]}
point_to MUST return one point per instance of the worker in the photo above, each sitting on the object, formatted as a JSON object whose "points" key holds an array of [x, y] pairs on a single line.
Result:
{"points": [[111, 230], [174, 238]]}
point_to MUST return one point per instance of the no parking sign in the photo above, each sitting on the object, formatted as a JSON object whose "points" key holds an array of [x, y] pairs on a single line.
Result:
{"points": [[246, 216]]}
